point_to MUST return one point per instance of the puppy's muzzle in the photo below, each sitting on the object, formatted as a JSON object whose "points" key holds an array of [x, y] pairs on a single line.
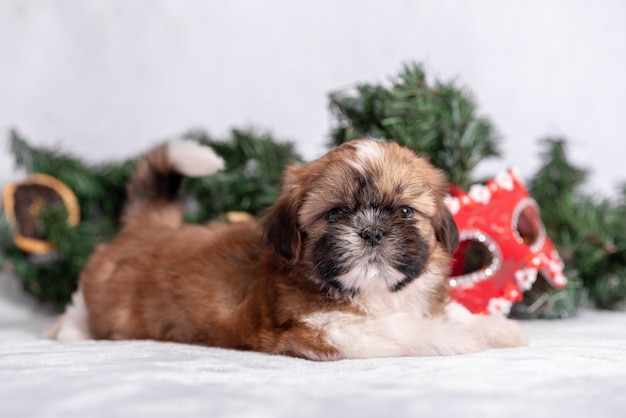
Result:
{"points": [[372, 236]]}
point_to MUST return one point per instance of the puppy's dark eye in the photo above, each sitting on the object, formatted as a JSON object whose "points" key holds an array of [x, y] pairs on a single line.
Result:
{"points": [[333, 214], [406, 212]]}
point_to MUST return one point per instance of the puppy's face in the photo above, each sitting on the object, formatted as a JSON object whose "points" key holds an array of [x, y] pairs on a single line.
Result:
{"points": [[368, 214]]}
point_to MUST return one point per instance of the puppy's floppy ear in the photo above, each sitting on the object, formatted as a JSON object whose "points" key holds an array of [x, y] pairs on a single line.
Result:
{"points": [[280, 223], [446, 231]]}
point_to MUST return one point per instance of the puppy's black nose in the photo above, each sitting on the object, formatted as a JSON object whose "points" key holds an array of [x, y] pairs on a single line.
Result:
{"points": [[372, 236]]}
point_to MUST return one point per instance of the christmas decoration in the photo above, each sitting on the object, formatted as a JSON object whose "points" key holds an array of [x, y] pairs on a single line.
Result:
{"points": [[503, 245], [24, 201], [50, 269]]}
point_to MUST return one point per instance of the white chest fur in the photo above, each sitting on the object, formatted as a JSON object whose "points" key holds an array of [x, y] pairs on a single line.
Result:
{"points": [[397, 324]]}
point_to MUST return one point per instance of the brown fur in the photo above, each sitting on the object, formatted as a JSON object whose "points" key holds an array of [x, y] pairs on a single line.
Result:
{"points": [[248, 286], [217, 286]]}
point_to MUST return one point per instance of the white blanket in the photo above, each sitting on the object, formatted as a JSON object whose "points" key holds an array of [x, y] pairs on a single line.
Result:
{"points": [[572, 368]]}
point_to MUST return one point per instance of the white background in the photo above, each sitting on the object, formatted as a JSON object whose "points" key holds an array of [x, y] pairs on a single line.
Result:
{"points": [[107, 79]]}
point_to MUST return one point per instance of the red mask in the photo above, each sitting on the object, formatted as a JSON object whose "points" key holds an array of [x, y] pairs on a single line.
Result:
{"points": [[503, 245]]}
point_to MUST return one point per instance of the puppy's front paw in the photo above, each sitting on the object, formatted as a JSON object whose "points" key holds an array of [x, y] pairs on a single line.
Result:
{"points": [[499, 332], [488, 331]]}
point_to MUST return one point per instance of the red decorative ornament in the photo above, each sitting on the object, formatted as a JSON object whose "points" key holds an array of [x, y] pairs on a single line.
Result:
{"points": [[503, 245]]}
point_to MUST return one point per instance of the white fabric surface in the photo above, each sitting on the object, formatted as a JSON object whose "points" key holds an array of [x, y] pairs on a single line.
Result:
{"points": [[572, 368]]}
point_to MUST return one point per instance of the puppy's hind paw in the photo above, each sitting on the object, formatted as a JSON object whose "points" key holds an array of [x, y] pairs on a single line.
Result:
{"points": [[72, 325]]}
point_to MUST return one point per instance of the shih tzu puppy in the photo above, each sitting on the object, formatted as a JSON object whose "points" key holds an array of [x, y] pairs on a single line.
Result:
{"points": [[350, 262]]}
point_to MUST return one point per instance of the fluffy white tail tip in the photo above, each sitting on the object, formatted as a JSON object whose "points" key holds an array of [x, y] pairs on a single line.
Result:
{"points": [[194, 160]]}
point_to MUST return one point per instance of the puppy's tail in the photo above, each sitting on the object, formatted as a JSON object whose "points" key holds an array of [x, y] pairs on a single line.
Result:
{"points": [[152, 190]]}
